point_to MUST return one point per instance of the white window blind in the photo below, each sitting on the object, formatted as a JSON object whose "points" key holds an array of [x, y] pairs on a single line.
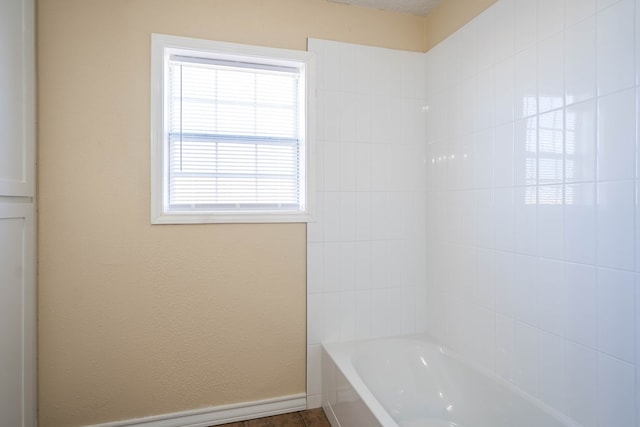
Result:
{"points": [[234, 136]]}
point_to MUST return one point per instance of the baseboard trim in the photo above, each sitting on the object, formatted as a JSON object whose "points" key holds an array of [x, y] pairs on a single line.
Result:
{"points": [[219, 414]]}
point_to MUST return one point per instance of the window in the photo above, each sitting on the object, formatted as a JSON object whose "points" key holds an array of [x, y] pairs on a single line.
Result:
{"points": [[231, 132]]}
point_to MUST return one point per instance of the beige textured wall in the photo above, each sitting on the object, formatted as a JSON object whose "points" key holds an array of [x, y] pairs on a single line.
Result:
{"points": [[134, 319], [450, 16]]}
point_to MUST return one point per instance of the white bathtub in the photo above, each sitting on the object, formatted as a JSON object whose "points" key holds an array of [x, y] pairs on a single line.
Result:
{"points": [[413, 382]]}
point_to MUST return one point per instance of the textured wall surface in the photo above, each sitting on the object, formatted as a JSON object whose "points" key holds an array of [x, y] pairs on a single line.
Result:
{"points": [[134, 319]]}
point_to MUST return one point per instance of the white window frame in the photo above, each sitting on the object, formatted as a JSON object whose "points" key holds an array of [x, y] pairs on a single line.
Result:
{"points": [[162, 47]]}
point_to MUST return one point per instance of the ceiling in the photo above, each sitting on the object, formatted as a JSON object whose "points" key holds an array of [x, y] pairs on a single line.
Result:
{"points": [[413, 7]]}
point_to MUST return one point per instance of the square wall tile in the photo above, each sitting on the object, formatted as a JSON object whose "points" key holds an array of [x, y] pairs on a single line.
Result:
{"points": [[451, 61], [453, 215], [331, 124], [615, 44], [484, 213], [603, 4], [580, 223], [454, 111], [331, 317], [581, 302], [582, 401], [379, 167], [394, 120], [468, 218], [379, 264], [525, 152], [550, 18], [379, 119], [378, 313], [483, 167], [616, 224], [553, 371], [525, 220], [504, 91], [505, 284], [332, 216], [617, 136], [315, 268], [580, 60], [469, 50], [348, 116], [364, 117], [468, 162], [363, 218], [347, 316], [504, 219], [331, 67], [525, 92], [525, 14], [526, 295], [315, 318], [408, 310], [469, 105], [364, 70], [363, 314], [485, 24], [423, 314], [551, 89], [484, 292], [482, 335], [347, 266], [485, 98], [578, 10], [616, 313], [331, 266], [580, 142], [551, 148], [505, 347], [503, 30], [551, 222], [527, 371], [503, 156], [615, 400], [348, 175], [553, 297], [331, 164], [348, 218], [363, 265]]}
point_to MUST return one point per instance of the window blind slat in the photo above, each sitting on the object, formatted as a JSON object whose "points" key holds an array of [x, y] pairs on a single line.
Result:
{"points": [[233, 136]]}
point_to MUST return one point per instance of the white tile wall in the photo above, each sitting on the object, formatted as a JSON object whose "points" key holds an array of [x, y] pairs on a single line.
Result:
{"points": [[518, 184], [365, 255], [556, 206]]}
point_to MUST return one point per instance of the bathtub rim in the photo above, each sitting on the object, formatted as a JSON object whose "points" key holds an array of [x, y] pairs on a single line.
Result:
{"points": [[342, 354]]}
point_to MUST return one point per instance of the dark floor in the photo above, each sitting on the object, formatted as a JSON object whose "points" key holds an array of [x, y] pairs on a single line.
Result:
{"points": [[308, 418]]}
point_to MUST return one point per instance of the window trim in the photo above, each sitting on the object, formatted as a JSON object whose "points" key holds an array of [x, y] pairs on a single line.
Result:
{"points": [[163, 46]]}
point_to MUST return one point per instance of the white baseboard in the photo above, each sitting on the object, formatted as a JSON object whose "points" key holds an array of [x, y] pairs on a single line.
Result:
{"points": [[219, 414]]}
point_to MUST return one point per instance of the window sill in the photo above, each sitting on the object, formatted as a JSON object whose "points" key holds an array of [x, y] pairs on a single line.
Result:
{"points": [[230, 218]]}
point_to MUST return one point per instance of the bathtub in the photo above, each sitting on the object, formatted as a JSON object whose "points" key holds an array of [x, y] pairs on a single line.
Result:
{"points": [[413, 382]]}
